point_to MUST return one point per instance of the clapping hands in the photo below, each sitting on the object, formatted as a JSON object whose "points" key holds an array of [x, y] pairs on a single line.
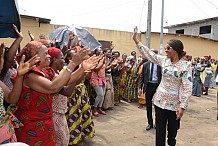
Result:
{"points": [[80, 56], [25, 67]]}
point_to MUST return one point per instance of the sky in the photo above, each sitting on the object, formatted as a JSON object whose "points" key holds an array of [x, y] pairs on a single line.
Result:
{"points": [[121, 15]]}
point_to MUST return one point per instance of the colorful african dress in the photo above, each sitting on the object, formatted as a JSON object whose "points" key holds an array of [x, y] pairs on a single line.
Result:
{"points": [[79, 115], [116, 82], [130, 88], [7, 123], [35, 112], [122, 82]]}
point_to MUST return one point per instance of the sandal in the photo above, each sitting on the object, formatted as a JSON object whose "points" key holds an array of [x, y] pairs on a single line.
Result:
{"points": [[102, 112], [95, 114]]}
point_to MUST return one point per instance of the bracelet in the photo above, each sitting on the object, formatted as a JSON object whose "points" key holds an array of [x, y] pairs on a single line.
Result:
{"points": [[68, 69]]}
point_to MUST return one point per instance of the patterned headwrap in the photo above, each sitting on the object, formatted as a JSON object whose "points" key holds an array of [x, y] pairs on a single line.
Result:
{"points": [[53, 52], [30, 50], [45, 42]]}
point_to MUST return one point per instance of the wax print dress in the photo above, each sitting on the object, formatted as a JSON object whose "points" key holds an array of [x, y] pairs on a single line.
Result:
{"points": [[130, 87], [79, 115], [35, 112], [122, 82], [7, 123]]}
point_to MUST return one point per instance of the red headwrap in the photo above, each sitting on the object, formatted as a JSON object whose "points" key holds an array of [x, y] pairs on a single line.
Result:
{"points": [[53, 52]]}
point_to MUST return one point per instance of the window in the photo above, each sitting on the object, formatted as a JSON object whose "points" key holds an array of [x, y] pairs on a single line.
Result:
{"points": [[180, 31], [205, 29]]}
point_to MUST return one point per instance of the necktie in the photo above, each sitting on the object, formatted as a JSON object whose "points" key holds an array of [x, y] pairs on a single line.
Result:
{"points": [[152, 68]]}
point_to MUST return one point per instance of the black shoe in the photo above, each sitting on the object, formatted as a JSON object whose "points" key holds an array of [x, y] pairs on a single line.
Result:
{"points": [[149, 127]]}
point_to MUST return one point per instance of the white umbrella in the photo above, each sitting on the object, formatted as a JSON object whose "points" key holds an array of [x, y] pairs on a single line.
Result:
{"points": [[61, 35]]}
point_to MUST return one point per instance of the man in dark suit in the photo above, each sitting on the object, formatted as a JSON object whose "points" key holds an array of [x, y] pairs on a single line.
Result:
{"points": [[150, 79]]}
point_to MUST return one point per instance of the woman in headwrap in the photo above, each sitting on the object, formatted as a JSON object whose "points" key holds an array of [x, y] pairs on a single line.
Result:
{"points": [[59, 103], [7, 120], [174, 91], [122, 76], [108, 102], [39, 85], [130, 88]]}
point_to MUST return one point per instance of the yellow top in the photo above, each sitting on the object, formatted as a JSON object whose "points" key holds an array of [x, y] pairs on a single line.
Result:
{"points": [[214, 66]]}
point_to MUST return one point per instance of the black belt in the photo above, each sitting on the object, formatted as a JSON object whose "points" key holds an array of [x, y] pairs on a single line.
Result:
{"points": [[153, 84]]}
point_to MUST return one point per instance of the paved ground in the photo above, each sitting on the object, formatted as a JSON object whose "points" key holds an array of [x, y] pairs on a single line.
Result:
{"points": [[124, 125]]}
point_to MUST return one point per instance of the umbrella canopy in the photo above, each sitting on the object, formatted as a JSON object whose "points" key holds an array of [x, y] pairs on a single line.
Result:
{"points": [[61, 35], [9, 15]]}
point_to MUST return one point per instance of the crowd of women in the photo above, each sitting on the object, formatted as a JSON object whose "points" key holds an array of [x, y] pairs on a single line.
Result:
{"points": [[48, 98], [38, 90], [46, 89], [205, 72]]}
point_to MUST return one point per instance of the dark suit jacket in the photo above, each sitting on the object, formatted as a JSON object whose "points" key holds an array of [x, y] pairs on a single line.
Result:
{"points": [[144, 77]]}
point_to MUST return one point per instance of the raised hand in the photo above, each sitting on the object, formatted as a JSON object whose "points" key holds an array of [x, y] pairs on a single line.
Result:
{"points": [[2, 52], [120, 62], [2, 49], [80, 56], [31, 36], [101, 57], [19, 34], [53, 42], [72, 35], [134, 35], [27, 66], [91, 63], [132, 63], [115, 62]]}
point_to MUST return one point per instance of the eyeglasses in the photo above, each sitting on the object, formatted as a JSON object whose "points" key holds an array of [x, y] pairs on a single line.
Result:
{"points": [[167, 48]]}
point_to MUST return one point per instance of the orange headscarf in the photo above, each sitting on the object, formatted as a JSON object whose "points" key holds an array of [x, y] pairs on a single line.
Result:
{"points": [[30, 50], [44, 41]]}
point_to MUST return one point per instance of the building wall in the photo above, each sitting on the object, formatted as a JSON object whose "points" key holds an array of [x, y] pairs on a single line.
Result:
{"points": [[194, 46], [122, 41], [195, 28]]}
